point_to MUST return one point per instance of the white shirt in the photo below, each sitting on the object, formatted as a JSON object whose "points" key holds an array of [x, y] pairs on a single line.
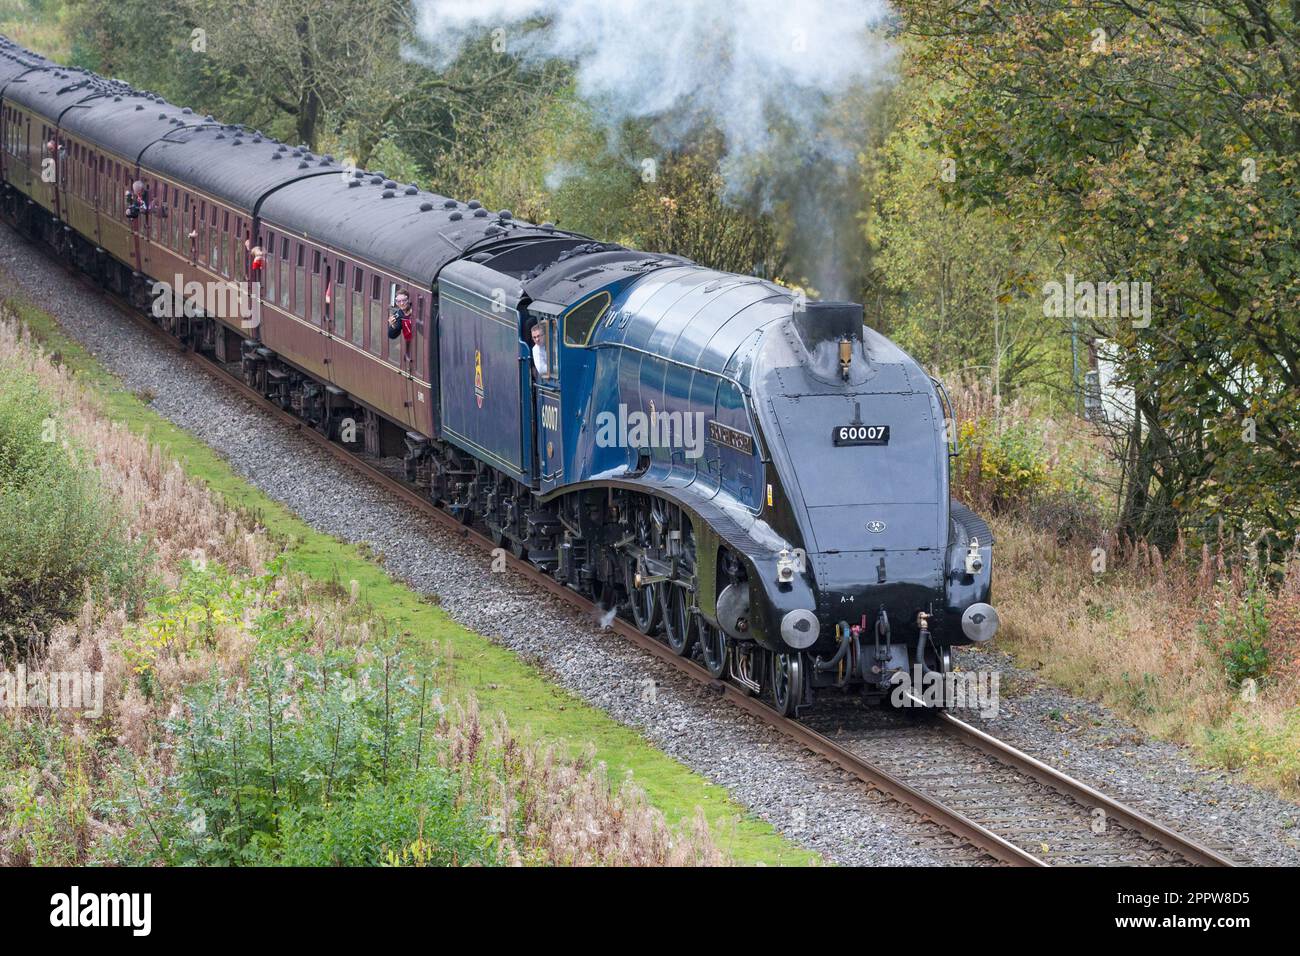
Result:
{"points": [[539, 359]]}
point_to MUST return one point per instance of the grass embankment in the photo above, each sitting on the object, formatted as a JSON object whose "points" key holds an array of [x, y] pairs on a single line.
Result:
{"points": [[320, 610], [1194, 646]]}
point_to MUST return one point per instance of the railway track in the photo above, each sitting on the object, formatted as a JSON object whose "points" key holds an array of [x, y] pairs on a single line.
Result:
{"points": [[951, 774]]}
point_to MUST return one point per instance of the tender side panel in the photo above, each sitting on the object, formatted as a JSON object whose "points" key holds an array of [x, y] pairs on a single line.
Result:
{"points": [[479, 362]]}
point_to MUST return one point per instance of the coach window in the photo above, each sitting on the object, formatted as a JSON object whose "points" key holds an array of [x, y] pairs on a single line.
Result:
{"points": [[418, 357], [269, 269], [394, 345], [284, 272], [377, 335], [317, 314], [300, 280], [158, 215], [358, 310], [339, 299], [224, 240], [217, 264]]}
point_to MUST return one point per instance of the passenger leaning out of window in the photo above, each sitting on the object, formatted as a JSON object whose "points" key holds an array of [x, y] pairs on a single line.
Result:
{"points": [[399, 319], [539, 350], [137, 200], [258, 259]]}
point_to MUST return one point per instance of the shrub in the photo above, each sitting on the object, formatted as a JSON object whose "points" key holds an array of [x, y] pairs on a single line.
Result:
{"points": [[59, 535], [999, 467], [1243, 630]]}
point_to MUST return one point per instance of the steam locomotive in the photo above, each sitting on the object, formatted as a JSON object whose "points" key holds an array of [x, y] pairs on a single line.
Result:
{"points": [[762, 481]]}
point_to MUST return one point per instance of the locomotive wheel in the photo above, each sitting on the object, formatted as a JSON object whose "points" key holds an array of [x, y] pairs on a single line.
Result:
{"points": [[679, 623], [786, 677], [644, 601], [713, 649]]}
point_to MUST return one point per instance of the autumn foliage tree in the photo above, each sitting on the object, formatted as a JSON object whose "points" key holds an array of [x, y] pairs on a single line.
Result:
{"points": [[1162, 140]]}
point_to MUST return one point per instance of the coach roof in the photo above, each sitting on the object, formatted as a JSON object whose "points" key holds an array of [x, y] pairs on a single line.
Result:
{"points": [[16, 61], [406, 230]]}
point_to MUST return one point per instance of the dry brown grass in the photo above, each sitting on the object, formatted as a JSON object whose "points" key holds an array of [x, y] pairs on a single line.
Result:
{"points": [[561, 810], [1144, 635], [1144, 638]]}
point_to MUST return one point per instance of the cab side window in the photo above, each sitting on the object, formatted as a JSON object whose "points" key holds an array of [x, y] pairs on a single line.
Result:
{"points": [[582, 319]]}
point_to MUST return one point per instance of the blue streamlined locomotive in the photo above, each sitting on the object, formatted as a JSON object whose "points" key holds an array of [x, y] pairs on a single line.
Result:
{"points": [[763, 481]]}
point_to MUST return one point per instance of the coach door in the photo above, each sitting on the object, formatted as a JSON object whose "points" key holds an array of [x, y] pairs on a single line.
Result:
{"points": [[137, 224]]}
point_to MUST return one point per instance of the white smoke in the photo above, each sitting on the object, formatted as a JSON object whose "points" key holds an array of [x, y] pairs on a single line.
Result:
{"points": [[737, 63], [747, 67]]}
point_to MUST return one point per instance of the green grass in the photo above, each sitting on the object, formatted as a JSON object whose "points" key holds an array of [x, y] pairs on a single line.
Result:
{"points": [[501, 681]]}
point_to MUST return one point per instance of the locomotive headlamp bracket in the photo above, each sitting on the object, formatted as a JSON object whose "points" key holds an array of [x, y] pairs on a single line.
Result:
{"points": [[974, 563], [788, 564]]}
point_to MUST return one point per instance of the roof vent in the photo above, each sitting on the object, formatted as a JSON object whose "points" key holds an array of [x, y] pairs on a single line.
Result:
{"points": [[187, 111], [376, 180], [425, 206], [281, 148], [505, 214], [162, 115], [329, 158], [475, 204], [456, 217], [547, 227], [236, 142], [117, 99], [389, 184], [303, 164], [492, 230], [449, 204], [221, 136], [480, 213], [411, 191], [276, 156], [323, 162], [388, 194], [139, 107], [353, 182]]}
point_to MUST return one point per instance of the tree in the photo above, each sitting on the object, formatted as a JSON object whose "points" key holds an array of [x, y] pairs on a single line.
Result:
{"points": [[1162, 139], [955, 286]]}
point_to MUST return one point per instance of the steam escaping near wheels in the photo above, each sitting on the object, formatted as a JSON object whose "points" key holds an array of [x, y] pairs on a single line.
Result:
{"points": [[980, 622]]}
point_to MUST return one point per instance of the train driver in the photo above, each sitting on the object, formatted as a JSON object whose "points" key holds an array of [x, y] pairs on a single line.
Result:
{"points": [[539, 350]]}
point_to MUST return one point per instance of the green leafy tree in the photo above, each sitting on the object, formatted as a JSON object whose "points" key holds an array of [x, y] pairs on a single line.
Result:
{"points": [[1162, 139], [956, 286]]}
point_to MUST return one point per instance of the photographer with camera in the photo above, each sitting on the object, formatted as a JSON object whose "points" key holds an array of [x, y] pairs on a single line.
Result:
{"points": [[399, 317]]}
